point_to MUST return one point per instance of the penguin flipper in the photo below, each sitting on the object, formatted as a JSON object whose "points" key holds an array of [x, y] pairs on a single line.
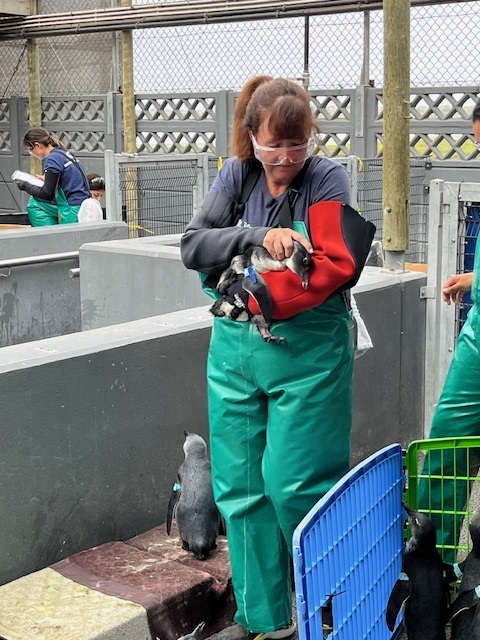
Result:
{"points": [[452, 572], [401, 591], [466, 600], [172, 503], [260, 292]]}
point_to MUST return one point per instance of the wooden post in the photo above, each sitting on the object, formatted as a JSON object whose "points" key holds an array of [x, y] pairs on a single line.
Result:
{"points": [[396, 129], [129, 127], [34, 91]]}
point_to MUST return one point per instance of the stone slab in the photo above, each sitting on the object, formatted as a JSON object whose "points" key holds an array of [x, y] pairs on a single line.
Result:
{"points": [[175, 596], [47, 606]]}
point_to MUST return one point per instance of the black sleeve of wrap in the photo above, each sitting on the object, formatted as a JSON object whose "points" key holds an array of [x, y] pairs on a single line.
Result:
{"points": [[211, 240], [358, 235], [47, 190]]}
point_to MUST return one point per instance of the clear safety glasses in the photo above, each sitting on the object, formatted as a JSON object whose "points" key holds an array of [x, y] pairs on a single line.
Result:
{"points": [[278, 155]]}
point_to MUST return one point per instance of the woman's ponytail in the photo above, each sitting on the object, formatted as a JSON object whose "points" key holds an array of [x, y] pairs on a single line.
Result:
{"points": [[241, 145]]}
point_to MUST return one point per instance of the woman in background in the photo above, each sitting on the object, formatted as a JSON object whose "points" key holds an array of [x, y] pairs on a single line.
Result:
{"points": [[65, 184]]}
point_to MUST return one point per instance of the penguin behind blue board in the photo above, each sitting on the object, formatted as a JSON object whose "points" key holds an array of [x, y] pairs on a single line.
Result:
{"points": [[422, 590], [465, 609], [192, 503]]}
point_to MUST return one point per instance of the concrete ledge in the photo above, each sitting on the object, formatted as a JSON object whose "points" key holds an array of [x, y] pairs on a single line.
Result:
{"points": [[146, 588], [126, 280], [47, 606]]}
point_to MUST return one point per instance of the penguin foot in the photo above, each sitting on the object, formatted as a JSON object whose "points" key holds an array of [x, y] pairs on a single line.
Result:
{"points": [[264, 330]]}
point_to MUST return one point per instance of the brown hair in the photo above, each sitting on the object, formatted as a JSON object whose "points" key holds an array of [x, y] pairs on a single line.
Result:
{"points": [[96, 182], [284, 103], [42, 136]]}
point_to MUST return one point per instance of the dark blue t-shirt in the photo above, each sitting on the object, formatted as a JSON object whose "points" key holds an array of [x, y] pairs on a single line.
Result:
{"points": [[73, 179], [324, 180]]}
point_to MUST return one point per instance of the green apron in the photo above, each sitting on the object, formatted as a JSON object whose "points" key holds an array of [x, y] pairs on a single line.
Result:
{"points": [[42, 213], [280, 424]]}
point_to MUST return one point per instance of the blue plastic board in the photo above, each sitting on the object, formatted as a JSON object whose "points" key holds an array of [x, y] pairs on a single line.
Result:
{"points": [[348, 551], [472, 225]]}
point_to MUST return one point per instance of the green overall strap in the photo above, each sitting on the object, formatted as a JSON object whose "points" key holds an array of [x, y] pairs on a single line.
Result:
{"points": [[286, 210]]}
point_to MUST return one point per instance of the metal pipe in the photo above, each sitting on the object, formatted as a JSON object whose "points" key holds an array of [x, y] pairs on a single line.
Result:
{"points": [[74, 273], [186, 12], [306, 52], [48, 257]]}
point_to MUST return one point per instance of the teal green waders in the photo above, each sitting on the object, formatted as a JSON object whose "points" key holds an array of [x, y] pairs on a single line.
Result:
{"points": [[280, 423], [41, 213], [457, 415]]}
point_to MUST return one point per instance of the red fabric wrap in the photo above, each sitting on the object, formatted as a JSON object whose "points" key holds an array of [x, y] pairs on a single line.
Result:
{"points": [[333, 265]]}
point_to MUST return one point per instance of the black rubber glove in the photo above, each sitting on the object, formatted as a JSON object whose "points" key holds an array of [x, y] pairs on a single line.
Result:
{"points": [[238, 297]]}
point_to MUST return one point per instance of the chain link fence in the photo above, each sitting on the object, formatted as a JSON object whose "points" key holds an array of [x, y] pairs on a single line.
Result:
{"points": [[69, 65], [213, 57]]}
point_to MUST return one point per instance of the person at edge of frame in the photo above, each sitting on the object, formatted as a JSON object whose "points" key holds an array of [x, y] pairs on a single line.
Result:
{"points": [[96, 183], [280, 415], [65, 185], [457, 413]]}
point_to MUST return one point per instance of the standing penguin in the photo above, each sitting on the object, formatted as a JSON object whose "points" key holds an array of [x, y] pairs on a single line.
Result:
{"points": [[422, 588], [465, 612], [191, 503]]}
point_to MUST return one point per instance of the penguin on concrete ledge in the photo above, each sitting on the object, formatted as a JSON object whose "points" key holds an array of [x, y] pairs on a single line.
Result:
{"points": [[191, 502]]}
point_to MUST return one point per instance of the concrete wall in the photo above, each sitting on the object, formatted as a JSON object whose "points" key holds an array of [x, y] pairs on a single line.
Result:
{"points": [[40, 300], [92, 423], [132, 279]]}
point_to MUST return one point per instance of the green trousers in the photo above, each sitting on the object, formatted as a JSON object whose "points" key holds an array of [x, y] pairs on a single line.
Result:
{"points": [[42, 213], [457, 414], [280, 423]]}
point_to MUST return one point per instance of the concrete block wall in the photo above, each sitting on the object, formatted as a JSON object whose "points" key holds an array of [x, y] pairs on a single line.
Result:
{"points": [[92, 423], [131, 279], [40, 300]]}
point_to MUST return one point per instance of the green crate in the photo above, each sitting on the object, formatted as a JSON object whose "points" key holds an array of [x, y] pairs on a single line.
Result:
{"points": [[443, 482]]}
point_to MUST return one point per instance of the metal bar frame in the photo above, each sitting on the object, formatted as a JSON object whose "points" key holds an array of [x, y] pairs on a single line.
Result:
{"points": [[114, 161], [447, 200], [186, 12]]}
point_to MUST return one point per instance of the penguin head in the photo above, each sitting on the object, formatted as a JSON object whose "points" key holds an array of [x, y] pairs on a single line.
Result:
{"points": [[195, 633], [474, 528], [299, 262], [194, 444], [424, 534]]}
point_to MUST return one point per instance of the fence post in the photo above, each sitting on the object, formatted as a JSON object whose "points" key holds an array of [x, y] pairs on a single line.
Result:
{"points": [[352, 170], [109, 121], [358, 141], [223, 108], [396, 126], [113, 198], [440, 317], [201, 186]]}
